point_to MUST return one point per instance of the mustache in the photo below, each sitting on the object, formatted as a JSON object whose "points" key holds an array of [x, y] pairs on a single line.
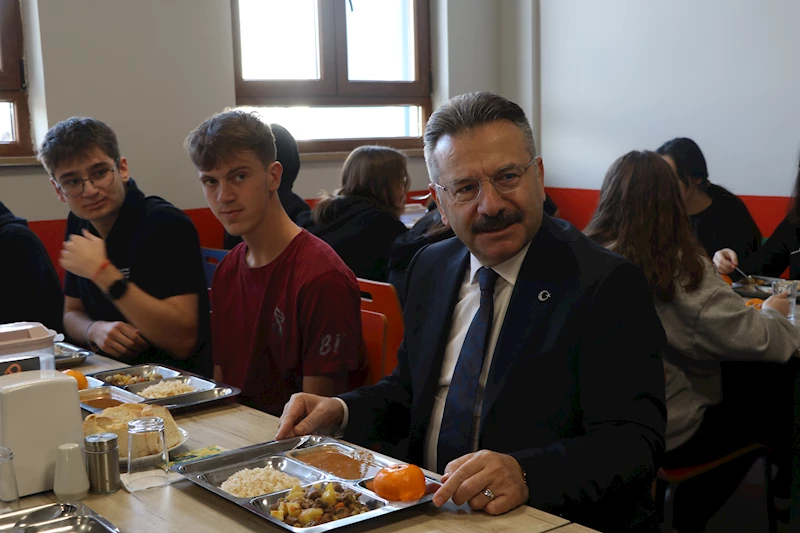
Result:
{"points": [[502, 220]]}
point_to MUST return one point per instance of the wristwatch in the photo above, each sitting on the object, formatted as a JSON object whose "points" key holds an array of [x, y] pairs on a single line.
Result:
{"points": [[117, 289]]}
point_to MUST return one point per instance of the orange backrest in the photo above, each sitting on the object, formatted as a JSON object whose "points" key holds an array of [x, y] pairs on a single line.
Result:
{"points": [[373, 329], [381, 297]]}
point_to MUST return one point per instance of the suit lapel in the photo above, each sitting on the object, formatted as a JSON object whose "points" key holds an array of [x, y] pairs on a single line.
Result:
{"points": [[443, 293], [544, 280], [436, 330]]}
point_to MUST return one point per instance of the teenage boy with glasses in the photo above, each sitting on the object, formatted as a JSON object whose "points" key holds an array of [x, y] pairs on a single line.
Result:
{"points": [[135, 287]]}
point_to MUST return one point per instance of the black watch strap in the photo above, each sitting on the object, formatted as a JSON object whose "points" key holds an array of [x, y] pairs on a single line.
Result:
{"points": [[117, 289]]}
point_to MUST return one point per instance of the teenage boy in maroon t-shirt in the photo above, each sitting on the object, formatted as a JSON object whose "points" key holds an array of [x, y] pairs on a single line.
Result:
{"points": [[286, 309]]}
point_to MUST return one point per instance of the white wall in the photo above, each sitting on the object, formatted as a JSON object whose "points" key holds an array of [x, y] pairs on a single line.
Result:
{"points": [[152, 70], [619, 75]]}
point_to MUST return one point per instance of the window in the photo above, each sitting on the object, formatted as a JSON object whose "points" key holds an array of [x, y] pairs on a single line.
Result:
{"points": [[15, 132], [336, 73]]}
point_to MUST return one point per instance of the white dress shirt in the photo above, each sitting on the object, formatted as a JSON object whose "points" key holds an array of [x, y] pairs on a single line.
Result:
{"points": [[469, 300], [467, 305]]}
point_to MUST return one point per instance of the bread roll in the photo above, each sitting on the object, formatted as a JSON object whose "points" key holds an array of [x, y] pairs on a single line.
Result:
{"points": [[115, 420]]}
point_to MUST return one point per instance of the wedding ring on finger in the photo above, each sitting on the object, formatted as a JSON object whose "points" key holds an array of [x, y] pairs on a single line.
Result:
{"points": [[489, 494]]}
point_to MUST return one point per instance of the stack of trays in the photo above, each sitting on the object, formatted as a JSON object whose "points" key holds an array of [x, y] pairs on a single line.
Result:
{"points": [[56, 517], [106, 389], [287, 456]]}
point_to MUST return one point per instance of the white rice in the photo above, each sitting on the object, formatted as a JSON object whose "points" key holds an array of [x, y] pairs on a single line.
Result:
{"points": [[252, 482], [165, 389]]}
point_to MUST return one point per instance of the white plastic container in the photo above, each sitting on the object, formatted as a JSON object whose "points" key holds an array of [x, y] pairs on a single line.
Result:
{"points": [[39, 411], [21, 339]]}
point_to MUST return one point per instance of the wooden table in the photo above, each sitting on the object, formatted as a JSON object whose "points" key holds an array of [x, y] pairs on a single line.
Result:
{"points": [[184, 507]]}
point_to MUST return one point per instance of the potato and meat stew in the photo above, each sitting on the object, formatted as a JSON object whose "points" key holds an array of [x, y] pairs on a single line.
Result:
{"points": [[314, 506]]}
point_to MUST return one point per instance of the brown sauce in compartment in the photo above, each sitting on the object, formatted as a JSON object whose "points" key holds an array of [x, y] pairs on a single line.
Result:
{"points": [[102, 403], [337, 463]]}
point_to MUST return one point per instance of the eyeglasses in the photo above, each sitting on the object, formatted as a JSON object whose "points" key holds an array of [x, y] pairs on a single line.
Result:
{"points": [[463, 191], [101, 178]]}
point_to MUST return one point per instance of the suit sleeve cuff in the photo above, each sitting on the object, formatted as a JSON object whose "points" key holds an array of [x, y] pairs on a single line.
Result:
{"points": [[340, 432]]}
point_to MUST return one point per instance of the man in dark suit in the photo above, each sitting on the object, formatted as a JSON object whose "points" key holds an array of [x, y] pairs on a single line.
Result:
{"points": [[530, 370]]}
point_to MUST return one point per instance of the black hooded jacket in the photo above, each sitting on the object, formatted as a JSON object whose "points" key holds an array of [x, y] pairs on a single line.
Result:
{"points": [[289, 157], [361, 233], [30, 290]]}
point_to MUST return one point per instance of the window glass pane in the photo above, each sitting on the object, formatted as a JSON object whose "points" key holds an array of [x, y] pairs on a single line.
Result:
{"points": [[380, 40], [279, 39], [6, 122], [307, 123]]}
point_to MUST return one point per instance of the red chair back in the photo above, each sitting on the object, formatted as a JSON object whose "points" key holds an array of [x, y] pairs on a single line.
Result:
{"points": [[373, 329], [380, 297]]}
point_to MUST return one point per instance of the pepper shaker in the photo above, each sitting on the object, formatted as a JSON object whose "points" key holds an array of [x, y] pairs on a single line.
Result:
{"points": [[102, 455]]}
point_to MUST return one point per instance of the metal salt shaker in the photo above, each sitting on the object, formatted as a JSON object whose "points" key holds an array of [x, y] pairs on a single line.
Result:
{"points": [[102, 456]]}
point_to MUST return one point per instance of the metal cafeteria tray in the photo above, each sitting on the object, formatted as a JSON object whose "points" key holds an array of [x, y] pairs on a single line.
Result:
{"points": [[285, 456], [206, 390], [68, 355], [758, 291], [94, 382], [199, 385], [148, 371], [56, 517], [106, 392]]}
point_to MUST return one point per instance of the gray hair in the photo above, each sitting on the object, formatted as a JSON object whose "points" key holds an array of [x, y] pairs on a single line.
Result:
{"points": [[469, 111]]}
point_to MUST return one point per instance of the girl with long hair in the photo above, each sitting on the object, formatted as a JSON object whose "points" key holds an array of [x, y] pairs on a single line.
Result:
{"points": [[361, 219], [642, 216]]}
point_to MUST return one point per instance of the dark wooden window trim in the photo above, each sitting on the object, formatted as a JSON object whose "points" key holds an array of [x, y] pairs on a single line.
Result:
{"points": [[334, 88], [12, 82]]}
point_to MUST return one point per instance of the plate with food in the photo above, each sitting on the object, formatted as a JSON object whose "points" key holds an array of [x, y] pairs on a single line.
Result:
{"points": [[761, 287], [115, 420], [163, 385], [312, 484], [170, 387], [136, 374]]}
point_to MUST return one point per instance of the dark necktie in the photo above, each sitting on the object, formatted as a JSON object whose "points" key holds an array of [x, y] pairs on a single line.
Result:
{"points": [[456, 435]]}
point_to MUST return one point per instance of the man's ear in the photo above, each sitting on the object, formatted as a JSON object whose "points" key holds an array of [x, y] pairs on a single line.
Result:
{"points": [[435, 193], [122, 166], [59, 194], [275, 173], [540, 169]]}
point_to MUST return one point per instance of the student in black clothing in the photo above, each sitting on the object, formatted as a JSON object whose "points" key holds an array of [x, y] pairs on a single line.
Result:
{"points": [[776, 254], [288, 155], [135, 286], [362, 219], [30, 290], [720, 219]]}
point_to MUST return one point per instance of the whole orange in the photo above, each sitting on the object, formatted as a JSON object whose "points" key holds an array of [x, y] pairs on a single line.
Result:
{"points": [[400, 483], [80, 378]]}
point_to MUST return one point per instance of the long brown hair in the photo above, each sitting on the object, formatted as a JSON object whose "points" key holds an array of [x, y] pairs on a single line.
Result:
{"points": [[374, 173], [642, 217]]}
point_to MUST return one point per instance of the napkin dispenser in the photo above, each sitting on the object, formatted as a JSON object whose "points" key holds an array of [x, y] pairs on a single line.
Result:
{"points": [[39, 410]]}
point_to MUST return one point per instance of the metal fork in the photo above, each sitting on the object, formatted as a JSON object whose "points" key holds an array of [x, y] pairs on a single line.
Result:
{"points": [[750, 280]]}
